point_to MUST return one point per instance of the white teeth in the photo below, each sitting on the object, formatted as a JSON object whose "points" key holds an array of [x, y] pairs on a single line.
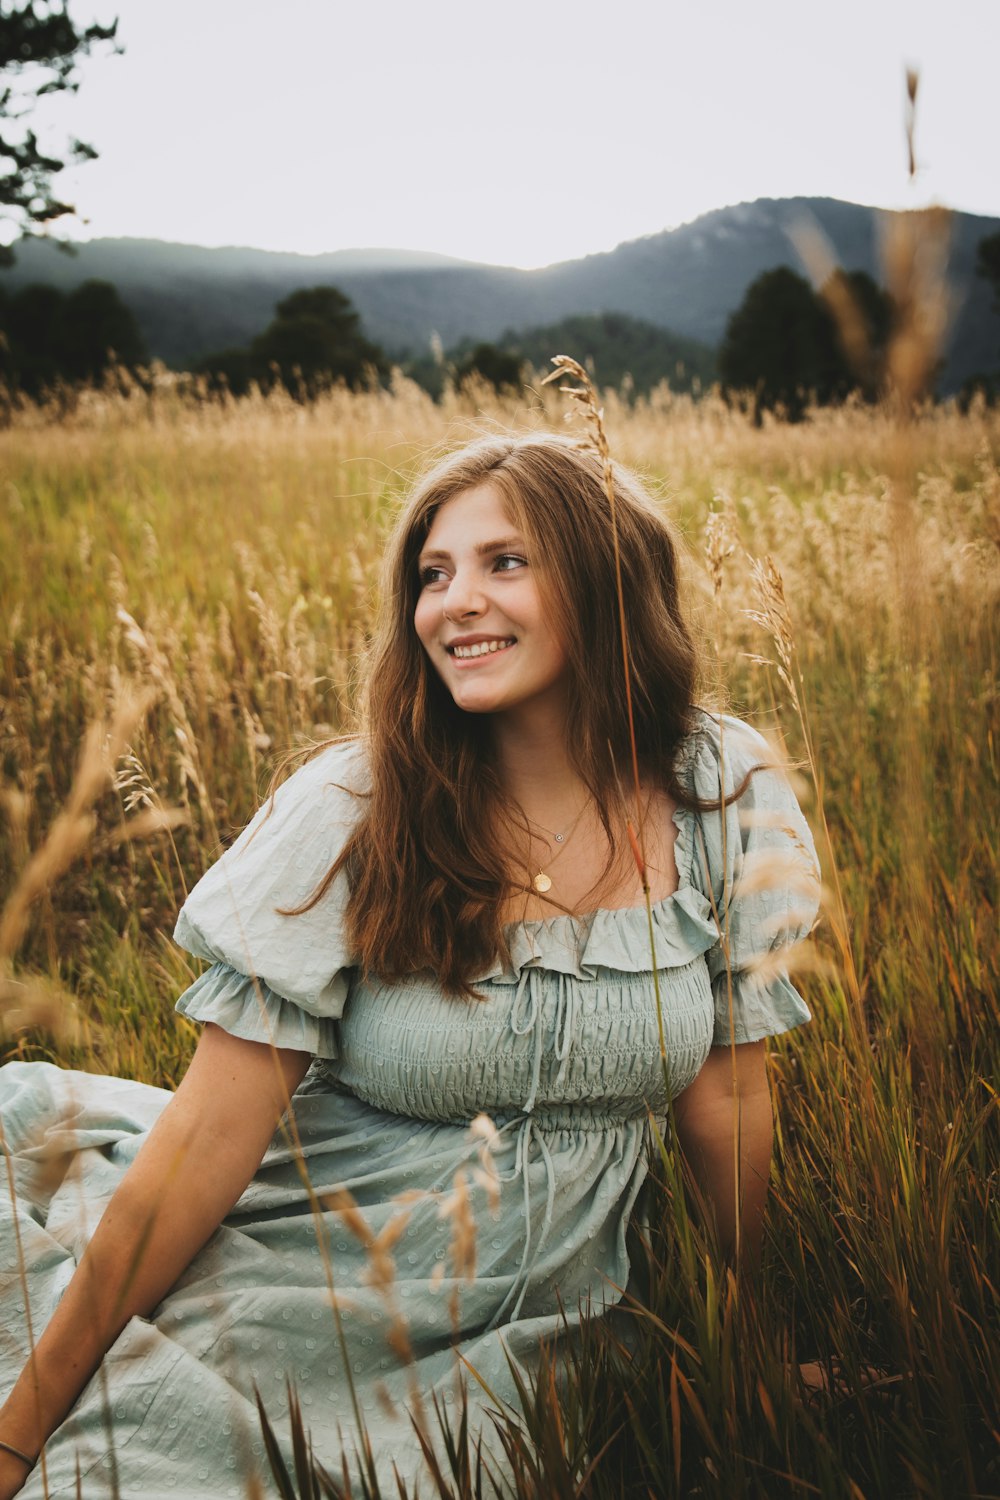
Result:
{"points": [[481, 648]]}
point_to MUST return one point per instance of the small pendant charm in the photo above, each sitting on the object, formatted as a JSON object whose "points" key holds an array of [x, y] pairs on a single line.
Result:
{"points": [[542, 882], [558, 837]]}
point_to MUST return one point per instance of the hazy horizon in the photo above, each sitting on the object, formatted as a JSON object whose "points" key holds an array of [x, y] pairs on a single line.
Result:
{"points": [[420, 250], [558, 134]]}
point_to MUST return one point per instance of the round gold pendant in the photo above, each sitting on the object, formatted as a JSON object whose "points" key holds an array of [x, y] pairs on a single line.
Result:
{"points": [[542, 882]]}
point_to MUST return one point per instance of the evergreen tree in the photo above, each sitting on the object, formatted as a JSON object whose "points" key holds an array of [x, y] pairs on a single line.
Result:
{"points": [[499, 367], [988, 265], [96, 324], [315, 338], [784, 346], [985, 383], [860, 368], [49, 336]]}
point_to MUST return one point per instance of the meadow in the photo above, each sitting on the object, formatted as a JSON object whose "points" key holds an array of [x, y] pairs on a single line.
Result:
{"points": [[186, 587]]}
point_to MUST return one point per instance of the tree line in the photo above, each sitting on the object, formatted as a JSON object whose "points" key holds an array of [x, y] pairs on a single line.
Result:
{"points": [[783, 345], [782, 348], [314, 340], [49, 337]]}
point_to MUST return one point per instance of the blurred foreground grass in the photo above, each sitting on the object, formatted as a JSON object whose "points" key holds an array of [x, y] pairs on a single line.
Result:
{"points": [[224, 557]]}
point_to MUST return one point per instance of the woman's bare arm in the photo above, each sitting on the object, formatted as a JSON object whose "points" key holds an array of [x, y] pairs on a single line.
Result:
{"points": [[706, 1115], [198, 1159]]}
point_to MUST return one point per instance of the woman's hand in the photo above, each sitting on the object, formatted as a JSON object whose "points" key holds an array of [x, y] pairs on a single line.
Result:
{"points": [[197, 1160], [822, 1382]]}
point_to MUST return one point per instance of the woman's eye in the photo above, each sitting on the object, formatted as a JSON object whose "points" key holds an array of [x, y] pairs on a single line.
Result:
{"points": [[430, 575], [509, 560]]}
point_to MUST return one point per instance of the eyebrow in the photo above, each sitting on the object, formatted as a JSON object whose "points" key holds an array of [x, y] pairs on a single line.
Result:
{"points": [[483, 549]]}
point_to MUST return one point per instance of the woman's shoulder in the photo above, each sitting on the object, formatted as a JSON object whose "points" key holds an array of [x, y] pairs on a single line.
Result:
{"points": [[341, 764], [301, 826], [309, 814], [340, 767], [234, 914], [724, 755], [719, 751]]}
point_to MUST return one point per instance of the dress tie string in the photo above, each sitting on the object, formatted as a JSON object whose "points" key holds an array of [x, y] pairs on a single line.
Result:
{"points": [[565, 1023], [526, 1131], [526, 1016]]}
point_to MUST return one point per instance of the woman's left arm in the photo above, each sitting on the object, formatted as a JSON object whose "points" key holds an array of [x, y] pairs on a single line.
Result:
{"points": [[724, 1099]]}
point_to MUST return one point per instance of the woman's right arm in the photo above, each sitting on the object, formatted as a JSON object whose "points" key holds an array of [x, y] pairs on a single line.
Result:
{"points": [[196, 1162]]}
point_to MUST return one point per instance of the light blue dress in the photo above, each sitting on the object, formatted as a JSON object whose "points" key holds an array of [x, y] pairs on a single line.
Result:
{"points": [[562, 1054]]}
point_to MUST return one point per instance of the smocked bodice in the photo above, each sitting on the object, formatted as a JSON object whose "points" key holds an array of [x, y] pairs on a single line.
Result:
{"points": [[567, 1026], [578, 1051]]}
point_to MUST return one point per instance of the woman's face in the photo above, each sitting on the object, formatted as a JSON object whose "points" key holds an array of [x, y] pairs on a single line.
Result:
{"points": [[480, 615]]}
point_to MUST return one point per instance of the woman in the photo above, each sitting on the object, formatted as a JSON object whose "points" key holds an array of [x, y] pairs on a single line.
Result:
{"points": [[439, 920]]}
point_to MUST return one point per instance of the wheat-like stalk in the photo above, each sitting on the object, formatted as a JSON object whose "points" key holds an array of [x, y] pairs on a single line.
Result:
{"points": [[586, 398], [773, 616], [878, 1234], [75, 824]]}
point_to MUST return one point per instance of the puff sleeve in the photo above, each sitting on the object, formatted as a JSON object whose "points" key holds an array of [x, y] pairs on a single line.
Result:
{"points": [[282, 979], [755, 861]]}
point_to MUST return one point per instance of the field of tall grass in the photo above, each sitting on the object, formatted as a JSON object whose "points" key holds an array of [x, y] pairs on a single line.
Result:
{"points": [[185, 589]]}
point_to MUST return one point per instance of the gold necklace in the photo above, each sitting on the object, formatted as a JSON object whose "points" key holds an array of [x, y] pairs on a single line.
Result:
{"points": [[542, 881]]}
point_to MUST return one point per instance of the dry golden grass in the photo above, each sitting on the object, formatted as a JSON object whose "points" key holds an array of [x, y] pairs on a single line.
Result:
{"points": [[220, 559]]}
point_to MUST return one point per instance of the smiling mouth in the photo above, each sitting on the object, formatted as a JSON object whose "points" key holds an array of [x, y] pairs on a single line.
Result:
{"points": [[480, 649]]}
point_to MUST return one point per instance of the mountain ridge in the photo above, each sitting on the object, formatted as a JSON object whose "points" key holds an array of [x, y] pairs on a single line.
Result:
{"points": [[192, 300]]}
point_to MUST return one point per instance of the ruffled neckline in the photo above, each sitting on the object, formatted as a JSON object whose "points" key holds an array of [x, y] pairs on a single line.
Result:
{"points": [[618, 937]]}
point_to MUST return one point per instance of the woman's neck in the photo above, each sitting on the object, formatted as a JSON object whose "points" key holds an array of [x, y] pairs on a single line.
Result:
{"points": [[565, 842], [534, 766]]}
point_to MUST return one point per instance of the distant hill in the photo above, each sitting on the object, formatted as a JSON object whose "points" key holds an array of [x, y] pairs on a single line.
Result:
{"points": [[614, 345], [190, 300]]}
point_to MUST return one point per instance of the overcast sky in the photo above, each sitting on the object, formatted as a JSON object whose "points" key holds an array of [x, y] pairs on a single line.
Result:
{"points": [[519, 133]]}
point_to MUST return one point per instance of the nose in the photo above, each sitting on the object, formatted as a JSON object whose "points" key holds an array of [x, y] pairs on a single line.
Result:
{"points": [[464, 599]]}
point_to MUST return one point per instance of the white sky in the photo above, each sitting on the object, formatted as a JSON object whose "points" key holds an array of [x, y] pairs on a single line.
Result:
{"points": [[518, 133]]}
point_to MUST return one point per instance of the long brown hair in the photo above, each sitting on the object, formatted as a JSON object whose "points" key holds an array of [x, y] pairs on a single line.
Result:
{"points": [[426, 863]]}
